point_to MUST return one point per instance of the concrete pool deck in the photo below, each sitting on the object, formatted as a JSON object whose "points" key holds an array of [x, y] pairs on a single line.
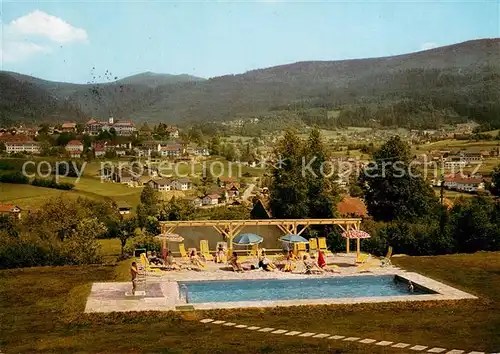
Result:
{"points": [[162, 292]]}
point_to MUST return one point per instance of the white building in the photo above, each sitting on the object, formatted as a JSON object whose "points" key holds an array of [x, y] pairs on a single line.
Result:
{"points": [[471, 185], [75, 148], [182, 184], [31, 147], [210, 199], [161, 185]]}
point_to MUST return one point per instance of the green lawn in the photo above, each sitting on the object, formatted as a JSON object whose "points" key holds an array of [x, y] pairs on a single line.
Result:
{"points": [[44, 311]]}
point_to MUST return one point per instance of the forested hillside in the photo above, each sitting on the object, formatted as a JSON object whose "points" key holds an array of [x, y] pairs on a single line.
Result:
{"points": [[424, 89]]}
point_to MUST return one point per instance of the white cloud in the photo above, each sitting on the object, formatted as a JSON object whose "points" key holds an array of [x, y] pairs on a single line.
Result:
{"points": [[428, 45], [38, 23], [31, 34], [12, 51]]}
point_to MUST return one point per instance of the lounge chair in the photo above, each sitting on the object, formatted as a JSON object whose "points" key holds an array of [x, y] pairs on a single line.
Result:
{"points": [[147, 265], [365, 267], [183, 252], [204, 250], [322, 246], [362, 258], [313, 245], [300, 250], [252, 253], [386, 261]]}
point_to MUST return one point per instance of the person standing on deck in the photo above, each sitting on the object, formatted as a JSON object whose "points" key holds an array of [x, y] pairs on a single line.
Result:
{"points": [[133, 273]]}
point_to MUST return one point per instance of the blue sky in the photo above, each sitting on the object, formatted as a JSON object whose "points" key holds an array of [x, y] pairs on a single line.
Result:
{"points": [[78, 41]]}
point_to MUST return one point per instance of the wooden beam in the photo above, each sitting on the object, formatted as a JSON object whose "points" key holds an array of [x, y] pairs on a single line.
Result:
{"points": [[303, 229], [189, 223], [282, 228]]}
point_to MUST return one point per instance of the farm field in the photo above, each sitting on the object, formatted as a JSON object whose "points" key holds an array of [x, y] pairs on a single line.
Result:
{"points": [[48, 317]]}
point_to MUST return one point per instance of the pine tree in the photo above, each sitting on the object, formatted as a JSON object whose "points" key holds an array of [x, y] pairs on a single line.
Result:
{"points": [[391, 193], [289, 190], [322, 192]]}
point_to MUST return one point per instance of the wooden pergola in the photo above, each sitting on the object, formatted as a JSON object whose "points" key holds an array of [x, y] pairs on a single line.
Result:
{"points": [[231, 228]]}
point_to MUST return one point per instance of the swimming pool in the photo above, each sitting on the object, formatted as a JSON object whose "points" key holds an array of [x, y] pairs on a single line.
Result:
{"points": [[317, 288]]}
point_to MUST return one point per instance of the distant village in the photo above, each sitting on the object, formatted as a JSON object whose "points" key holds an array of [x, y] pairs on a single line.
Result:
{"points": [[120, 138], [118, 142]]}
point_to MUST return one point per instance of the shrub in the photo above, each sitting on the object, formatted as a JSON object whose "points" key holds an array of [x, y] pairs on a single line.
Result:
{"points": [[142, 240], [16, 178], [51, 183]]}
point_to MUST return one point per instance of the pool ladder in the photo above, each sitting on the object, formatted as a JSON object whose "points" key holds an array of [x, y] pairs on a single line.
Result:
{"points": [[183, 290]]}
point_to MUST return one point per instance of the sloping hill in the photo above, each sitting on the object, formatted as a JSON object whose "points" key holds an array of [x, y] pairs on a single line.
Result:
{"points": [[463, 78], [153, 80], [27, 102]]}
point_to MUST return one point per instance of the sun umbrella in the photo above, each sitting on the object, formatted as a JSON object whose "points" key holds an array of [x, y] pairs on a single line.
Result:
{"points": [[293, 239], [247, 239], [355, 234], [166, 239]]}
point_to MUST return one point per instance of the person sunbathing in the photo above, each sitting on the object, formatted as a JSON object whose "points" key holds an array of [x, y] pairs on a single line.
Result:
{"points": [[233, 261], [195, 260], [289, 263], [171, 262], [220, 256], [311, 266], [265, 263]]}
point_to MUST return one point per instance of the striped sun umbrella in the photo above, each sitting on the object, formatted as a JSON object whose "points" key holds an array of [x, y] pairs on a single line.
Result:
{"points": [[356, 234], [165, 240]]}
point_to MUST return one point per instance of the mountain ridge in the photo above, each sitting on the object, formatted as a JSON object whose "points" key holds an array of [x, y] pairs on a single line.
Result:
{"points": [[466, 71]]}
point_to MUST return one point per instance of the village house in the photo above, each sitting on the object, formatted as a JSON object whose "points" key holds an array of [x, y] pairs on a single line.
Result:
{"points": [[182, 184], [195, 201], [211, 199], [161, 185], [454, 161], [201, 151], [99, 151], [75, 148], [21, 144], [10, 210], [171, 150], [222, 181], [471, 185], [122, 128], [232, 190], [173, 132], [124, 208], [472, 157], [120, 175], [68, 127]]}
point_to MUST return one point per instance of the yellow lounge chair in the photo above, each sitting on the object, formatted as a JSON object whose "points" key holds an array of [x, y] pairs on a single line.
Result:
{"points": [[300, 250], [322, 246], [146, 265], [362, 258], [204, 250], [252, 253], [183, 252], [313, 245]]}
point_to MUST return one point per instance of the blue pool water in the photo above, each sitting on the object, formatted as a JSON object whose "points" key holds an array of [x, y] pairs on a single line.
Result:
{"points": [[317, 288]]}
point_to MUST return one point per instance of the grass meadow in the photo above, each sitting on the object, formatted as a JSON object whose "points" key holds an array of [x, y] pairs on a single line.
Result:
{"points": [[44, 307]]}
